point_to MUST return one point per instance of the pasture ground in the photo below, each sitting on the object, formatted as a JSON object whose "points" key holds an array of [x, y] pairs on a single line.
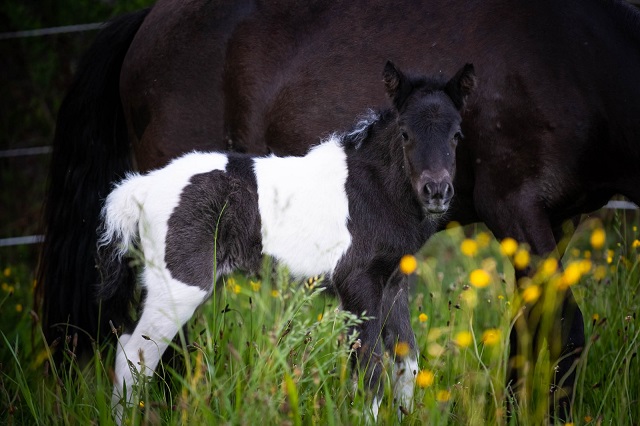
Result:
{"points": [[275, 351]]}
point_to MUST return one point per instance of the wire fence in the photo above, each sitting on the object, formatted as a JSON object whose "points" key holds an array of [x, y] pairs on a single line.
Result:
{"points": [[50, 31]]}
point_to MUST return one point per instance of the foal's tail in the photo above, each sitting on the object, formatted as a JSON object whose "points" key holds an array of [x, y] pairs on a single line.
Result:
{"points": [[90, 151], [118, 234]]}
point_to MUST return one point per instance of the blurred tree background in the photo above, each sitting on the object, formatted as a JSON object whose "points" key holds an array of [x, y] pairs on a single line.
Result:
{"points": [[34, 76]]}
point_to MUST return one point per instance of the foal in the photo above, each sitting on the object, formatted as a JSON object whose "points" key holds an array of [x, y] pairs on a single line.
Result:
{"points": [[349, 209]]}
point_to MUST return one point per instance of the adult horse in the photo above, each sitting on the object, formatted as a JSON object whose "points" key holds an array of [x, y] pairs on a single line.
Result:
{"points": [[551, 133]]}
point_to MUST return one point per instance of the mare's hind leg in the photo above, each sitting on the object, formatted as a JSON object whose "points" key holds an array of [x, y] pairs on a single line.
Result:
{"points": [[528, 222], [168, 306], [399, 339]]}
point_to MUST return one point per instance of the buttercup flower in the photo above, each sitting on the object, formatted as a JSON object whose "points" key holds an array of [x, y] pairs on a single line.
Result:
{"points": [[408, 264], [491, 337], [401, 349], [463, 339], [598, 237], [443, 395], [508, 246], [469, 247], [531, 294], [521, 259], [479, 278], [425, 378]]}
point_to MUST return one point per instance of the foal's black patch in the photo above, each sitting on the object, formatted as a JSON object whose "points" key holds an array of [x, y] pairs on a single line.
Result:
{"points": [[217, 216]]}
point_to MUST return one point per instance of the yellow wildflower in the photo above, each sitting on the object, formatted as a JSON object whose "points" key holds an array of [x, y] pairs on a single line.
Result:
{"points": [[425, 378], [435, 350], [479, 278], [598, 237], [463, 339], [585, 266], [7, 272], [19, 307], [521, 259], [491, 336], [508, 246], [408, 264], [483, 239], [531, 294], [423, 317], [469, 247], [402, 349], [635, 244], [571, 275], [275, 293], [443, 395], [549, 267]]}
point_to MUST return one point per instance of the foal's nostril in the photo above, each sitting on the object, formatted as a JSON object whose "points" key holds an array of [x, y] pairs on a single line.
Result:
{"points": [[447, 190], [429, 189]]}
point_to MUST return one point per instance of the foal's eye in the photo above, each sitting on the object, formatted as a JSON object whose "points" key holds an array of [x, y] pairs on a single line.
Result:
{"points": [[458, 137], [405, 136]]}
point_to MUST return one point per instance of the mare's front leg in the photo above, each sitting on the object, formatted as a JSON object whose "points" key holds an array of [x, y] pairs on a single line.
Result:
{"points": [[521, 217], [399, 339], [360, 292], [169, 304]]}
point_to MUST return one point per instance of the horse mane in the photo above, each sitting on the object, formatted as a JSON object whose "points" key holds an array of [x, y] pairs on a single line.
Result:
{"points": [[354, 138]]}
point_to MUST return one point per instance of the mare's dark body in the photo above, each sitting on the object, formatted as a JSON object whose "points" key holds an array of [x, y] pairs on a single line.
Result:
{"points": [[552, 132]]}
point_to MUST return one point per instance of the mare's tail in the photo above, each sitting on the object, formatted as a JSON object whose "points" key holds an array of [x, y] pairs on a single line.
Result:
{"points": [[90, 151]]}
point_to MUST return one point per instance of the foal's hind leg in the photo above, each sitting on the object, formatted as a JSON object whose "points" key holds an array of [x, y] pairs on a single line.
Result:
{"points": [[399, 339], [168, 306]]}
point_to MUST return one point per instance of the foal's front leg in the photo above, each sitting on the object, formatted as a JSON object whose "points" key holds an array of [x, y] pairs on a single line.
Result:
{"points": [[399, 339], [360, 292]]}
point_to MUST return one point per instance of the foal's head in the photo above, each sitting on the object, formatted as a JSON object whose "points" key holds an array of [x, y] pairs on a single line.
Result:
{"points": [[429, 123]]}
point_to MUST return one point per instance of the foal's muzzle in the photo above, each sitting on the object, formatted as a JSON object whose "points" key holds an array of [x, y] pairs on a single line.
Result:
{"points": [[436, 195]]}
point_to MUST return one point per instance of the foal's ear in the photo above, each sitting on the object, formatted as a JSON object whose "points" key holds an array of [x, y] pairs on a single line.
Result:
{"points": [[396, 83], [461, 85]]}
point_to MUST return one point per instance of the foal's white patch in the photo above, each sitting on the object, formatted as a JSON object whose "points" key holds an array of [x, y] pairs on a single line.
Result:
{"points": [[304, 208]]}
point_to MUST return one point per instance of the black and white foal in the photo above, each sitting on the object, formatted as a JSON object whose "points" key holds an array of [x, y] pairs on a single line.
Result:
{"points": [[349, 209]]}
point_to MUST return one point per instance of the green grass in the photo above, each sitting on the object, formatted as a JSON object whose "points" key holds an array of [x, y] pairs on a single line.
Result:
{"points": [[277, 351]]}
